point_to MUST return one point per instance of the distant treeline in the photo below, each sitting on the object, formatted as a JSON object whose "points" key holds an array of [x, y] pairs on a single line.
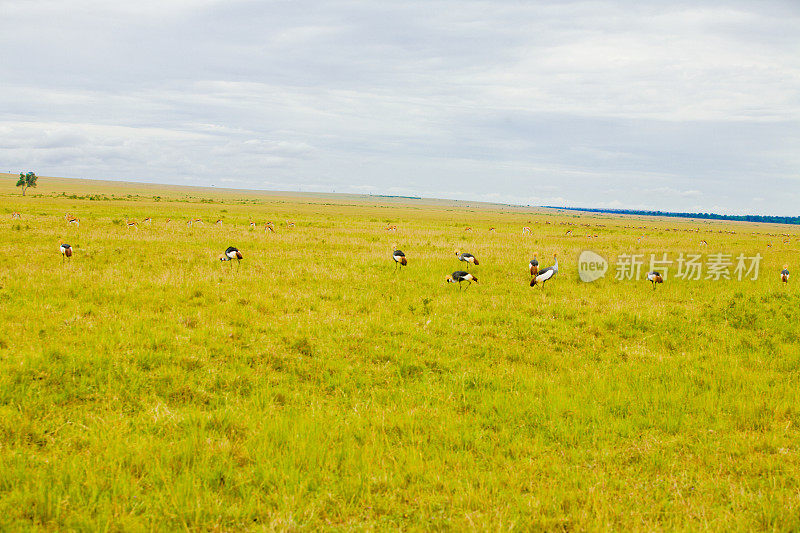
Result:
{"points": [[710, 216]]}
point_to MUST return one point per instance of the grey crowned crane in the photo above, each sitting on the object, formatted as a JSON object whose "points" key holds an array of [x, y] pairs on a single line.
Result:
{"points": [[785, 274], [399, 258], [467, 258], [655, 277], [534, 264], [230, 254], [545, 273], [458, 276], [66, 251]]}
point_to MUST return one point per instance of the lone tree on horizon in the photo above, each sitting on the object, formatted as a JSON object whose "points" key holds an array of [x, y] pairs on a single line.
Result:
{"points": [[26, 180]]}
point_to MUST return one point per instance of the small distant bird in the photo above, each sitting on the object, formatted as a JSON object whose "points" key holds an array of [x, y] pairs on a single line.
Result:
{"points": [[785, 274], [399, 257], [655, 277], [534, 264], [458, 276], [230, 254], [546, 273], [66, 251], [467, 258]]}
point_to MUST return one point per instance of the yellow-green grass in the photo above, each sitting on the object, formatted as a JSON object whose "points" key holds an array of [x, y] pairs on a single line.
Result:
{"points": [[146, 385]]}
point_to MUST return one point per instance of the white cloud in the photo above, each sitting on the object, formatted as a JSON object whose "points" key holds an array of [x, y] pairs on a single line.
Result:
{"points": [[574, 103]]}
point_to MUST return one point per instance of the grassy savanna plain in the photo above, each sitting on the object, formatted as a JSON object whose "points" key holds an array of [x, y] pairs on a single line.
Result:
{"points": [[144, 385]]}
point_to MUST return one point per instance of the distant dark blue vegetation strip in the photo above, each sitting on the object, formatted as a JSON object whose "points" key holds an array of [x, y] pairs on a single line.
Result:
{"points": [[711, 216]]}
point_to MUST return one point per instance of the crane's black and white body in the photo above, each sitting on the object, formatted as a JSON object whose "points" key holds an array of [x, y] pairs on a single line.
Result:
{"points": [[655, 277], [230, 254], [467, 258], [546, 273], [66, 251], [458, 276], [785, 274], [534, 264], [399, 258]]}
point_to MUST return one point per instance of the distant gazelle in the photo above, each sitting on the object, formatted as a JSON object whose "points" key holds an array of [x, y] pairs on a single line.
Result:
{"points": [[15, 215], [525, 229], [73, 220], [269, 227]]}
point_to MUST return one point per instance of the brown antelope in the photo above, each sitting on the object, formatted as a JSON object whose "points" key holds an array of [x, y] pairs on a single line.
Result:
{"points": [[269, 227], [703, 243], [525, 229], [131, 223], [391, 227], [73, 220], [218, 222], [468, 228], [252, 224], [289, 224], [147, 220], [167, 221], [15, 215]]}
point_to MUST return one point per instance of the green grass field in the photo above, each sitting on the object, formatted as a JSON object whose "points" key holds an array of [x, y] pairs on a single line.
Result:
{"points": [[145, 385]]}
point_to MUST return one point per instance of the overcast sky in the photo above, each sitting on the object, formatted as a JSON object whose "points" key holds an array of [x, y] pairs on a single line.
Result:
{"points": [[663, 105]]}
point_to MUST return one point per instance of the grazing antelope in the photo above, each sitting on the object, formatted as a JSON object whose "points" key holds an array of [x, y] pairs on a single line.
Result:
{"points": [[568, 233], [458, 276], [197, 221], [468, 228], [15, 215], [66, 251], [785, 274], [491, 229], [147, 220], [525, 229], [467, 258], [655, 277], [252, 224], [391, 227], [189, 223], [218, 222], [399, 258], [546, 273], [703, 243], [230, 254], [534, 264], [269, 226], [289, 224], [131, 223], [73, 220], [167, 221]]}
